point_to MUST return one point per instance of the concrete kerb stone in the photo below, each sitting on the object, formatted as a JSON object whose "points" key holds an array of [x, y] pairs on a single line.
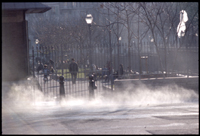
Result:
{"points": [[188, 83]]}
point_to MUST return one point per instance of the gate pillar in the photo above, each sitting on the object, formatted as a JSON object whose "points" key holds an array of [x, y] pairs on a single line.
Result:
{"points": [[62, 89]]}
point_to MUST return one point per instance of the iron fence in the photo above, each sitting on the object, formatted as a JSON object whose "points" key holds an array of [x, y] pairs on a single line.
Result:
{"points": [[174, 60]]}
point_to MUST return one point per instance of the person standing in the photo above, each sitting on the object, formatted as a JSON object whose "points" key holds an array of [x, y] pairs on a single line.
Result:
{"points": [[109, 68], [46, 72], [121, 70], [73, 69]]}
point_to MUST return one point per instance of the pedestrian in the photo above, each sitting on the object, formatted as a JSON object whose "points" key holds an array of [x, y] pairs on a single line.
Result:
{"points": [[46, 72], [108, 67], [51, 71], [121, 70], [40, 67], [73, 69]]}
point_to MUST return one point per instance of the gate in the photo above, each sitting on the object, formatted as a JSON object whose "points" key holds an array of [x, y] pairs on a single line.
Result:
{"points": [[58, 58]]}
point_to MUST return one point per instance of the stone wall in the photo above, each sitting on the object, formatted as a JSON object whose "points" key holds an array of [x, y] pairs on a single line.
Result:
{"points": [[14, 51], [188, 83]]}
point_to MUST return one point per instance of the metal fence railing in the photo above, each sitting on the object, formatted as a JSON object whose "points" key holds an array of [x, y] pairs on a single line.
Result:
{"points": [[174, 61]]}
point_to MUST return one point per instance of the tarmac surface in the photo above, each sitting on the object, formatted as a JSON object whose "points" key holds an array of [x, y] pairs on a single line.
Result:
{"points": [[24, 114]]}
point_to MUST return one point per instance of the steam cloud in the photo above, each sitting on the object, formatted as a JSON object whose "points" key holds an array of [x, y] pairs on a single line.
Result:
{"points": [[26, 97]]}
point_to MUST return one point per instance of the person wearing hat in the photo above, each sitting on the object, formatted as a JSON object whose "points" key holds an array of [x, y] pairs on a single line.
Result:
{"points": [[73, 68]]}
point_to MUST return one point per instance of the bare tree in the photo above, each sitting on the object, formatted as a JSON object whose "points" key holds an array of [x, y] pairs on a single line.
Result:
{"points": [[162, 19], [151, 13]]}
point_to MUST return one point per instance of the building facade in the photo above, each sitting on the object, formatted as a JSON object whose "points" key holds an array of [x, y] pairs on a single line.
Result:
{"points": [[15, 39]]}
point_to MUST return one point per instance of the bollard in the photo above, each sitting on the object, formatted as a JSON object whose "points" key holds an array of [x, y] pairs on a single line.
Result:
{"points": [[62, 89], [92, 86]]}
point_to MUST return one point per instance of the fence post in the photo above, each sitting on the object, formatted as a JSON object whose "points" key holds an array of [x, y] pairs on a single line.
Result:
{"points": [[187, 60], [37, 56], [33, 61], [91, 86], [62, 59], [62, 89]]}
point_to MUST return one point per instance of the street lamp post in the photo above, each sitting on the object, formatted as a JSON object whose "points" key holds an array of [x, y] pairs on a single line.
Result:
{"points": [[89, 20], [37, 48], [33, 61], [118, 51]]}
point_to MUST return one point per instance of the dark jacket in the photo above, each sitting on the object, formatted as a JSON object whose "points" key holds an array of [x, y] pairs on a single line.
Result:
{"points": [[46, 71], [73, 67], [40, 67], [121, 70]]}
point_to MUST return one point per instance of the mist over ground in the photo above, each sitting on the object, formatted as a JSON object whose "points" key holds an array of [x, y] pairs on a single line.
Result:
{"points": [[20, 94]]}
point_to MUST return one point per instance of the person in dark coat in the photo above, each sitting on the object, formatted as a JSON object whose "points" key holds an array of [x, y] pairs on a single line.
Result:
{"points": [[46, 72], [121, 70], [108, 67], [73, 69], [40, 67]]}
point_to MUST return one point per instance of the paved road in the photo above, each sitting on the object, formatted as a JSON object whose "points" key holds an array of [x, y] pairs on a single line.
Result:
{"points": [[98, 116]]}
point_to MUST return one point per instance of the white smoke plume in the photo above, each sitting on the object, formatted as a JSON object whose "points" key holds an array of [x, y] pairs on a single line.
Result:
{"points": [[26, 97]]}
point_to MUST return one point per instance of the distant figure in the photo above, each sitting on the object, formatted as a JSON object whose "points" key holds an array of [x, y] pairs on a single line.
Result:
{"points": [[73, 69], [40, 67], [109, 67], [46, 72], [121, 70], [51, 71], [38, 60]]}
